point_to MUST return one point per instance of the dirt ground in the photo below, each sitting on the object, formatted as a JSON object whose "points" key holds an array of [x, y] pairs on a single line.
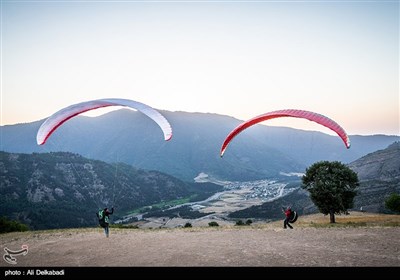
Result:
{"points": [[259, 245]]}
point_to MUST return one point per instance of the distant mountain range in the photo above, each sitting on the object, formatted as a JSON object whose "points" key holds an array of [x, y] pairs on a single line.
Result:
{"points": [[378, 174], [58, 190], [130, 137]]}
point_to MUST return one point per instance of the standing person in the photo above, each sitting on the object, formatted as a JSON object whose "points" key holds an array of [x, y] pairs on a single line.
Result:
{"points": [[288, 214], [104, 219]]}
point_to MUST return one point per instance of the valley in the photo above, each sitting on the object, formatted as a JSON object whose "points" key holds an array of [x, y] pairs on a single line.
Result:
{"points": [[234, 197]]}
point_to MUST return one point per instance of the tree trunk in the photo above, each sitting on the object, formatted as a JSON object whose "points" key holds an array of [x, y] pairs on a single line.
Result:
{"points": [[332, 216]]}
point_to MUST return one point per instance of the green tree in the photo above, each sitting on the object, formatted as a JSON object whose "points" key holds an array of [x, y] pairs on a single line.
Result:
{"points": [[7, 225], [332, 187], [393, 202]]}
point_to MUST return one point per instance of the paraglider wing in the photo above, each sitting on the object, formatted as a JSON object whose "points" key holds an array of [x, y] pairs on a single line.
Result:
{"points": [[311, 116], [293, 217], [58, 118]]}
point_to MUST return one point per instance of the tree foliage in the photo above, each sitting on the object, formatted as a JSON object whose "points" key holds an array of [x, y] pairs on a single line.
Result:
{"points": [[393, 202], [332, 187], [7, 225]]}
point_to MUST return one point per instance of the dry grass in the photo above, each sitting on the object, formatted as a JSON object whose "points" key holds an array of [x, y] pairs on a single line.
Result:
{"points": [[354, 219]]}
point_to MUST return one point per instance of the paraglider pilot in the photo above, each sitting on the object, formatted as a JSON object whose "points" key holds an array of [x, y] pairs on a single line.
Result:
{"points": [[104, 219], [288, 213]]}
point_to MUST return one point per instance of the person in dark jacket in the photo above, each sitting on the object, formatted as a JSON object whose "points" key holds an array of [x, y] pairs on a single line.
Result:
{"points": [[288, 214], [104, 219]]}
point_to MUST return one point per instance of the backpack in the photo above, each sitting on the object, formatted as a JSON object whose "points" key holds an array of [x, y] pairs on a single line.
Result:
{"points": [[101, 217], [293, 216]]}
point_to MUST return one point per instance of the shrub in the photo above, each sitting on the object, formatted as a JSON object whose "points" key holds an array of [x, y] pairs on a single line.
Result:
{"points": [[188, 225], [213, 224], [393, 202], [7, 225], [239, 223]]}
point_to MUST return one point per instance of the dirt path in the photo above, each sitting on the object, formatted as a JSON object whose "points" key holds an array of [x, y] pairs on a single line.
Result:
{"points": [[264, 246]]}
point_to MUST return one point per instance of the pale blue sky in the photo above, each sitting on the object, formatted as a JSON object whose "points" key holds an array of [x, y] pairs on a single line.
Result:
{"points": [[242, 59]]}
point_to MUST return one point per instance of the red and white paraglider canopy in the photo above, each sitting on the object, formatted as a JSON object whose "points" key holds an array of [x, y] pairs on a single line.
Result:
{"points": [[311, 116], [58, 118]]}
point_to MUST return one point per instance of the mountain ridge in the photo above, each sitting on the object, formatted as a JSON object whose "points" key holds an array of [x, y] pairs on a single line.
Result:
{"points": [[128, 136], [60, 189], [379, 176]]}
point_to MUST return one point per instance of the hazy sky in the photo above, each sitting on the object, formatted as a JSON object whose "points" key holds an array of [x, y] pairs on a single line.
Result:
{"points": [[242, 59]]}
